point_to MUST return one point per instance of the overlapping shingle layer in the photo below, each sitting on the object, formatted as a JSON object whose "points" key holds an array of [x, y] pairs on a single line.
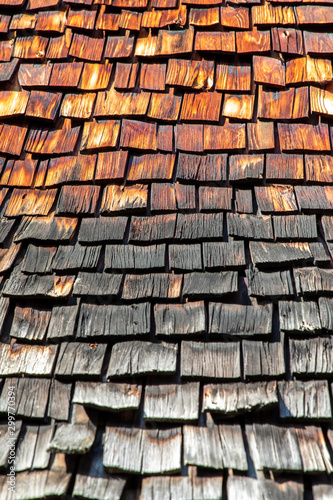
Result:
{"points": [[166, 246]]}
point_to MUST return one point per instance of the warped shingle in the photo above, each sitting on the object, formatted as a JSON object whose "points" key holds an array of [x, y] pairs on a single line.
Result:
{"points": [[151, 166], [223, 254], [78, 200], [146, 451], [304, 137], [199, 226], [198, 284], [46, 229], [76, 257], [137, 357], [216, 447], [95, 76], [30, 323], [32, 285], [288, 448], [77, 359], [231, 399], [107, 396], [269, 70], [295, 227], [97, 284], [180, 319], [194, 74], [250, 226], [155, 285], [319, 168], [62, 322], [153, 228], [101, 135], [304, 400], [59, 400], [326, 312], [185, 257], [102, 229], [235, 319], [248, 488], [113, 320], [66, 169], [134, 257], [27, 359], [30, 202], [176, 402], [269, 284], [313, 280], [32, 395], [281, 254], [31, 451]]}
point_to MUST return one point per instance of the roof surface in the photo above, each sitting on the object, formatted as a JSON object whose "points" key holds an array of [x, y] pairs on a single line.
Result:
{"points": [[166, 237]]}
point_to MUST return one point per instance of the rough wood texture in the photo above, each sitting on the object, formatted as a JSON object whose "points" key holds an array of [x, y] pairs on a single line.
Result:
{"points": [[155, 285], [190, 488], [136, 357], [252, 227], [292, 104], [304, 137], [233, 399], [315, 198], [194, 74], [269, 284], [260, 136], [102, 229], [276, 198], [30, 323], [301, 448], [211, 167], [265, 254], [213, 284], [107, 396], [77, 359], [312, 280], [248, 488], [172, 402], [97, 284], [156, 228], [46, 229], [180, 319], [308, 400], [216, 447], [238, 320], [263, 359], [314, 355], [210, 360], [295, 227], [299, 316], [319, 168], [142, 450], [223, 255], [43, 105], [24, 359], [307, 70], [233, 77], [111, 320]]}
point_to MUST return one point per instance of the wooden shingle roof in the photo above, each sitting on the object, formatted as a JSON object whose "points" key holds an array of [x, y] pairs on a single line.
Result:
{"points": [[166, 249]]}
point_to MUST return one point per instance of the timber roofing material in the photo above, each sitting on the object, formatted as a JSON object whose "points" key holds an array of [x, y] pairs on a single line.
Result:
{"points": [[166, 248]]}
